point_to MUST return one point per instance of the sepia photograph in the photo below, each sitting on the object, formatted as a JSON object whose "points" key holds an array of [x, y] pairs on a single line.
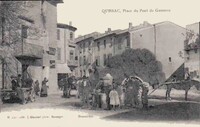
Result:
{"points": [[99, 63]]}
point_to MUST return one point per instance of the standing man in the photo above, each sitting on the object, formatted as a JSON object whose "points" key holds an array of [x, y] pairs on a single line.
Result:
{"points": [[14, 83], [65, 88], [187, 75], [86, 91], [19, 80], [145, 90], [37, 87]]}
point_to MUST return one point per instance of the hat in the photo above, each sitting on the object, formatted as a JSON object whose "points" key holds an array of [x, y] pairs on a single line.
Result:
{"points": [[84, 77], [12, 76]]}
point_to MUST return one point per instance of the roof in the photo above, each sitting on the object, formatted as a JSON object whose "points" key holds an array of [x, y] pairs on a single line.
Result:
{"points": [[87, 36], [56, 1], [151, 25], [107, 34], [145, 25], [61, 25], [27, 57]]}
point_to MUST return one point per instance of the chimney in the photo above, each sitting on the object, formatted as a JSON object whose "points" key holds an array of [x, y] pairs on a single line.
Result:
{"points": [[70, 23], [145, 23], [109, 30], [130, 25]]}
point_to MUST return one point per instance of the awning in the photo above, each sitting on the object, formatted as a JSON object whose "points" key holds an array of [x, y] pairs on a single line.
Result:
{"points": [[63, 68]]}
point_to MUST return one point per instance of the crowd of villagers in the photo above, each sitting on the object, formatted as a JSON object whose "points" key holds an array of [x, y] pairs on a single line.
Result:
{"points": [[110, 95], [32, 87]]}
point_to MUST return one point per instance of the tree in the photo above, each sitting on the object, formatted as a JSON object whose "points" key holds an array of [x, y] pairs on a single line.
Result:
{"points": [[11, 21], [140, 62], [15, 25]]}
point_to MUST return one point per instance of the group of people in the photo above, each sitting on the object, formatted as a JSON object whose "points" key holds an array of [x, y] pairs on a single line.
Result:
{"points": [[66, 85], [32, 87], [108, 94]]}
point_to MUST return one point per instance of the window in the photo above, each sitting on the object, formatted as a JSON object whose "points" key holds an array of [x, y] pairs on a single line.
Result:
{"points": [[109, 56], [127, 42], [84, 72], [104, 42], [83, 47], [24, 31], [71, 55], [59, 53], [80, 48], [119, 43], [71, 36], [170, 59], [81, 74], [84, 60], [76, 57], [58, 34], [89, 59], [104, 59], [52, 63], [80, 61], [89, 45], [111, 41], [98, 46], [97, 61]]}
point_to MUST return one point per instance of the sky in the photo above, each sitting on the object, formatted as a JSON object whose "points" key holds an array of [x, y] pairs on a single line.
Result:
{"points": [[90, 15]]}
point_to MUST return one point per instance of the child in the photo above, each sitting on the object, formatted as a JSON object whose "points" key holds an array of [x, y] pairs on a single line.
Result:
{"points": [[121, 93], [114, 98]]}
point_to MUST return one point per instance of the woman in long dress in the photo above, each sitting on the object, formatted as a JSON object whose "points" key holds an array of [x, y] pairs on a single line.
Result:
{"points": [[44, 92], [37, 87]]}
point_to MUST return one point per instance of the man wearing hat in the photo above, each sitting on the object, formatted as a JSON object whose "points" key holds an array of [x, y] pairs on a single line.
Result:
{"points": [[14, 83], [145, 90], [86, 91]]}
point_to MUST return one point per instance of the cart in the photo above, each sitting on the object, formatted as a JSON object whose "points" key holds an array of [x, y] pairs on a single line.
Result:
{"points": [[21, 95]]}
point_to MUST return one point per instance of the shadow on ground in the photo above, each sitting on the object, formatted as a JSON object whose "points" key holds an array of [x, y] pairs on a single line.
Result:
{"points": [[173, 111]]}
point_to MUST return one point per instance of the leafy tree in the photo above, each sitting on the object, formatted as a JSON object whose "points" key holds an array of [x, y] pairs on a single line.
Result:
{"points": [[11, 20], [140, 62]]}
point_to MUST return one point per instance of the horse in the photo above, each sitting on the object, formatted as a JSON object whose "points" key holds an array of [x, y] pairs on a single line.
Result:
{"points": [[181, 85]]}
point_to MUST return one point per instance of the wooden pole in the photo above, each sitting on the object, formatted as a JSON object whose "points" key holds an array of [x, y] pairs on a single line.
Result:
{"points": [[3, 73]]}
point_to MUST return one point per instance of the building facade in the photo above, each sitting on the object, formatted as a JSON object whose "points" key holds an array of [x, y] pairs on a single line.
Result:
{"points": [[192, 51], [85, 52], [165, 40], [66, 62], [37, 55]]}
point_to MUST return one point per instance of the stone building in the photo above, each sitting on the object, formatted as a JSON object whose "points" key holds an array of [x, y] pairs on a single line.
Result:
{"points": [[165, 40], [66, 62], [192, 50], [37, 55], [85, 52]]}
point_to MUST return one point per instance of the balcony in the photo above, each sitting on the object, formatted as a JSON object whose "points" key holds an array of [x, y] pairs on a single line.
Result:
{"points": [[72, 63], [28, 52]]}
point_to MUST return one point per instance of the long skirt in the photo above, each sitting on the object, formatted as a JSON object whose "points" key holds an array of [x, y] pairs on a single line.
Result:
{"points": [[44, 91]]}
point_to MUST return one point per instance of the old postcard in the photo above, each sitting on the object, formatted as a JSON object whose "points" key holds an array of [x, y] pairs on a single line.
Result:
{"points": [[99, 63]]}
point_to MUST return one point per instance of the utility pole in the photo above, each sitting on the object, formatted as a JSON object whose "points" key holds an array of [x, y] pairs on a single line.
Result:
{"points": [[2, 43], [199, 48], [155, 41], [2, 27], [3, 72]]}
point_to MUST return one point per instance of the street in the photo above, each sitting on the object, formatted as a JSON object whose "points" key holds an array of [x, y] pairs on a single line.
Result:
{"points": [[160, 110]]}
